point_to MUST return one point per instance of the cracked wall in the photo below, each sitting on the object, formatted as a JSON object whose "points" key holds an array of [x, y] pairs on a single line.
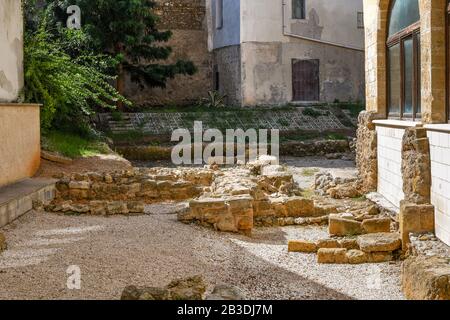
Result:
{"points": [[11, 53], [267, 71]]}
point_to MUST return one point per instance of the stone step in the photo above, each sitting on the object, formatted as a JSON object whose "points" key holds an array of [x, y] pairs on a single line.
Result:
{"points": [[17, 199]]}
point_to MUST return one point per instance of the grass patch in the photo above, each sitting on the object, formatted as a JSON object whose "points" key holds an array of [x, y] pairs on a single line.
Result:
{"points": [[308, 193], [73, 146], [309, 172], [354, 108]]}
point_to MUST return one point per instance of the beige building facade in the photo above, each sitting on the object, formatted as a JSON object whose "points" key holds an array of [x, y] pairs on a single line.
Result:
{"points": [[19, 123], [404, 136], [274, 52]]}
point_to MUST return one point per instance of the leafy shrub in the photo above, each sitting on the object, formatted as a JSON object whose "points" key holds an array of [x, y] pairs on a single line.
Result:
{"points": [[70, 89], [214, 100]]}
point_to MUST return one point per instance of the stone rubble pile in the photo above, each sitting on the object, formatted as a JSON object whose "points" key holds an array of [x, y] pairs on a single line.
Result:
{"points": [[369, 248], [193, 288], [260, 193], [336, 187]]}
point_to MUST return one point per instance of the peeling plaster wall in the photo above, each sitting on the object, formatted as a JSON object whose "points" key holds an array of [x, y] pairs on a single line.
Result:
{"points": [[228, 63], [11, 50], [332, 21], [267, 48], [267, 71]]}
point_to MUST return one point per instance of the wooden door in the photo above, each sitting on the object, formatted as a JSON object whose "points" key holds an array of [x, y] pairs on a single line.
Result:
{"points": [[305, 80]]}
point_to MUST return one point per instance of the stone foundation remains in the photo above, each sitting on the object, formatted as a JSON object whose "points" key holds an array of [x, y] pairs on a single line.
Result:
{"points": [[369, 248], [126, 192]]}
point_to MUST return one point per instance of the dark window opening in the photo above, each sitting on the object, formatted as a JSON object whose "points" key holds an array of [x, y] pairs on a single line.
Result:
{"points": [[360, 20], [403, 55], [216, 78], [298, 9]]}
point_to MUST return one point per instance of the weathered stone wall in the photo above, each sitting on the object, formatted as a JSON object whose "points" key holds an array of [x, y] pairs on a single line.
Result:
{"points": [[126, 192], [187, 21], [267, 71], [366, 152], [11, 53], [416, 166], [227, 62]]}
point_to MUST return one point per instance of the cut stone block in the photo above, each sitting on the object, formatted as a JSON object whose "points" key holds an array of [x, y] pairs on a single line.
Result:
{"points": [[379, 257], [349, 244], [344, 227], [426, 278], [357, 257], [415, 219], [332, 256], [379, 242], [328, 244], [376, 225], [302, 246]]}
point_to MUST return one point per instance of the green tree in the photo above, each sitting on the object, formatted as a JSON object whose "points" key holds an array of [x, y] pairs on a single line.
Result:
{"points": [[127, 30], [70, 88]]}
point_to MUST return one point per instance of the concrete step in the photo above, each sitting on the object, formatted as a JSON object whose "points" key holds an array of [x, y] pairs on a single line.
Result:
{"points": [[17, 199]]}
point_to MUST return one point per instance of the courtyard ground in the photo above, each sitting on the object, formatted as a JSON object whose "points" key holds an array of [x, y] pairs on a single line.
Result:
{"points": [[153, 249]]}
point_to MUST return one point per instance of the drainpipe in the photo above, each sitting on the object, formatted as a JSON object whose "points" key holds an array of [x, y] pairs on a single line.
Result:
{"points": [[289, 34]]}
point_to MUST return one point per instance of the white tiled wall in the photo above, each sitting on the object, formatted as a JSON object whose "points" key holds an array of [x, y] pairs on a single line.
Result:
{"points": [[390, 182], [440, 189]]}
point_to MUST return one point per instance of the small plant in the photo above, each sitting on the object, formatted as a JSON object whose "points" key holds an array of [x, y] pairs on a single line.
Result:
{"points": [[214, 100], [116, 115], [310, 112], [310, 172]]}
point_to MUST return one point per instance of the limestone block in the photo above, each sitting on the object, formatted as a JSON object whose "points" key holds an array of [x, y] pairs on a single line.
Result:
{"points": [[379, 257], [117, 207], [349, 244], [344, 227], [357, 257], [376, 225], [98, 208], [426, 278], [328, 244], [343, 191], [192, 288], [337, 256], [302, 246], [379, 242], [135, 207], [415, 219], [293, 207], [80, 185], [262, 208]]}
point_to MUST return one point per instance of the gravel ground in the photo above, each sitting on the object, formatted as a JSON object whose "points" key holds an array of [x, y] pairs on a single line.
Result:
{"points": [[154, 249]]}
